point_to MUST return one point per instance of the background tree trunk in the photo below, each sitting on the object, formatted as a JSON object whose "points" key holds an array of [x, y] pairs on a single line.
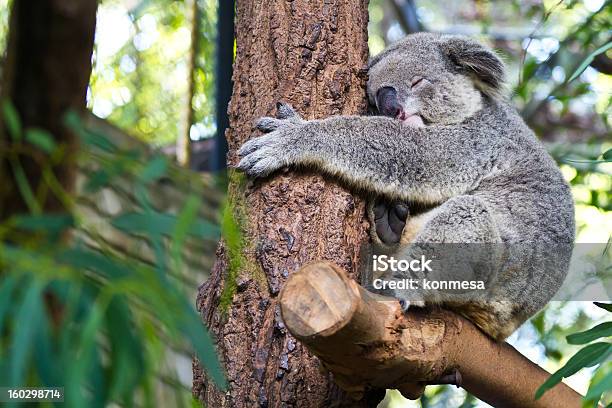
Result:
{"points": [[45, 74], [312, 55]]}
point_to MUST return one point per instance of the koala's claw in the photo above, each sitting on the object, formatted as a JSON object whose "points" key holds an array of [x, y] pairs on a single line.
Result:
{"points": [[406, 304], [251, 145], [261, 156], [268, 124], [259, 164], [285, 111], [265, 166]]}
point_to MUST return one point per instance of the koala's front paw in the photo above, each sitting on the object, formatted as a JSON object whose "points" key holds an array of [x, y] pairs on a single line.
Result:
{"points": [[266, 154]]}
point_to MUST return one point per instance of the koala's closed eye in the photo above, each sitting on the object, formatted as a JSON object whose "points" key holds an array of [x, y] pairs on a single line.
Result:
{"points": [[416, 81]]}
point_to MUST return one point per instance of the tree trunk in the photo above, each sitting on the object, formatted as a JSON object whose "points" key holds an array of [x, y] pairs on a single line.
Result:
{"points": [[312, 55], [46, 73]]}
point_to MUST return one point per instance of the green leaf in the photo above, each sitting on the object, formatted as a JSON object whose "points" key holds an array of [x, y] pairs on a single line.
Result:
{"points": [[186, 218], [586, 357], [601, 386], [11, 120], [47, 364], [73, 121], [588, 60], [24, 187], [155, 223], [98, 140], [108, 173], [94, 261], [7, 286], [601, 330], [27, 320], [607, 155], [204, 346], [53, 223], [41, 139], [98, 179], [126, 350], [154, 169], [605, 306], [83, 356]]}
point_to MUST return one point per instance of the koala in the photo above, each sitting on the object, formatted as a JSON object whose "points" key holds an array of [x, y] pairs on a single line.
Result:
{"points": [[445, 160]]}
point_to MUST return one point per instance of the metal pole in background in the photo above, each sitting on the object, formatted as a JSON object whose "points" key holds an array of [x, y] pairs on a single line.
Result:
{"points": [[407, 15], [224, 85]]}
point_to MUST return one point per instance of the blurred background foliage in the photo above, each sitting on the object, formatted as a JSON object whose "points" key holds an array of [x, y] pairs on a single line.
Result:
{"points": [[98, 298], [147, 83]]}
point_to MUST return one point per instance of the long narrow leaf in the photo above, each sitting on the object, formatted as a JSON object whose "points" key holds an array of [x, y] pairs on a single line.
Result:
{"points": [[204, 347], [41, 139], [83, 356], [587, 61], [605, 306], [601, 330], [24, 187], [601, 386], [185, 220], [27, 320], [7, 286], [156, 223], [126, 350], [11, 119], [586, 357]]}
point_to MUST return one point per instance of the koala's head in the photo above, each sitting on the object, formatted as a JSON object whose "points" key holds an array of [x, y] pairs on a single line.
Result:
{"points": [[433, 79]]}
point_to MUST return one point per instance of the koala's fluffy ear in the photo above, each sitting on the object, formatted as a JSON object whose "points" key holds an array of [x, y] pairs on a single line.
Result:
{"points": [[479, 61]]}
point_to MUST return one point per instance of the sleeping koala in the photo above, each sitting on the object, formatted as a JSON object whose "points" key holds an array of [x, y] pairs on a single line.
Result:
{"points": [[461, 164]]}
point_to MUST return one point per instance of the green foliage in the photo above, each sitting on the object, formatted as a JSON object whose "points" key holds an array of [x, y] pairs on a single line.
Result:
{"points": [[601, 330], [589, 356], [605, 306], [11, 120], [588, 60], [41, 139], [161, 224], [76, 314]]}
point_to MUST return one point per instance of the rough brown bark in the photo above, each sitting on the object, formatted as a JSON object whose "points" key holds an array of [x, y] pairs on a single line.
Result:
{"points": [[310, 54], [366, 340], [46, 73]]}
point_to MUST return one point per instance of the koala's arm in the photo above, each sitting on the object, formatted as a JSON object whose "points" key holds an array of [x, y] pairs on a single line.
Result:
{"points": [[377, 154]]}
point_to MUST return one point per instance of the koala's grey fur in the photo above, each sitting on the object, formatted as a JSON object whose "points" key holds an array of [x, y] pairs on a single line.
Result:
{"points": [[473, 163]]}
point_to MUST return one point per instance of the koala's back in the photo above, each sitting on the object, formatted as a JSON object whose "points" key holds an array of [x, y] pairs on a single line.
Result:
{"points": [[533, 209], [525, 189]]}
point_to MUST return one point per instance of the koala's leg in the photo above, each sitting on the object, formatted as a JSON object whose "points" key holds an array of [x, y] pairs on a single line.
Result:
{"points": [[468, 221]]}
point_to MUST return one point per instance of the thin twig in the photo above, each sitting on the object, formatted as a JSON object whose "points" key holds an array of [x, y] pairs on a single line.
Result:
{"points": [[533, 33]]}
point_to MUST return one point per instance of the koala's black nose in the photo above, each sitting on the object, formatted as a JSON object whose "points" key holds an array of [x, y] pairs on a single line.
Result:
{"points": [[387, 102]]}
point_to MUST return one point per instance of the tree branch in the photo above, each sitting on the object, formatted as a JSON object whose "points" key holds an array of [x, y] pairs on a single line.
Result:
{"points": [[367, 342]]}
